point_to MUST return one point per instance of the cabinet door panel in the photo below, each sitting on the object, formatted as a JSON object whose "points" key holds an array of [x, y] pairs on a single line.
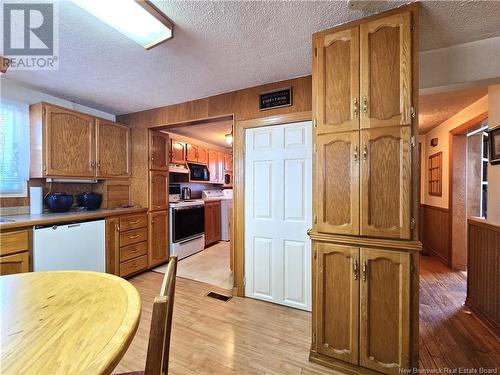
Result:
{"points": [[337, 183], [158, 238], [385, 310], [202, 155], [177, 152], [213, 165], [158, 194], [338, 301], [158, 150], [15, 263], [228, 162], [386, 71], [113, 245], [337, 87], [385, 182], [191, 153], [69, 143], [113, 150]]}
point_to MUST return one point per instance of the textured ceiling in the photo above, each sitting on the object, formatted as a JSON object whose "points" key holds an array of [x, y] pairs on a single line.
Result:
{"points": [[220, 46], [213, 133], [434, 109]]}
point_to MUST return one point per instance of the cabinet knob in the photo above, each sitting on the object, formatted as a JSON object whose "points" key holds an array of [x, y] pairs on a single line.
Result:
{"points": [[355, 107], [365, 104], [365, 151]]}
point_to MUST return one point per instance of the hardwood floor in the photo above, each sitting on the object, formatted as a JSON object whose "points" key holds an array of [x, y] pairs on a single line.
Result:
{"points": [[450, 336], [245, 336], [209, 266]]}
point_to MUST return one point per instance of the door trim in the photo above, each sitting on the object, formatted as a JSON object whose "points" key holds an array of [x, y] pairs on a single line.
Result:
{"points": [[239, 187]]}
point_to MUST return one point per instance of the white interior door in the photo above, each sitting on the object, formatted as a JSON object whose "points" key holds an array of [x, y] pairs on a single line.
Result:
{"points": [[278, 184]]}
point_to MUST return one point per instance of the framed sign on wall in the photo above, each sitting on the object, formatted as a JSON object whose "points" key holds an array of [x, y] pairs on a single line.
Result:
{"points": [[494, 137], [275, 99]]}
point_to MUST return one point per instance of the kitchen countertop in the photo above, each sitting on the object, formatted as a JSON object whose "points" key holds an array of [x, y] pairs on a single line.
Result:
{"points": [[21, 221]]}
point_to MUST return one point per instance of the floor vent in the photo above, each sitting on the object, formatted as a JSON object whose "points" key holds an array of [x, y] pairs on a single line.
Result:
{"points": [[218, 296]]}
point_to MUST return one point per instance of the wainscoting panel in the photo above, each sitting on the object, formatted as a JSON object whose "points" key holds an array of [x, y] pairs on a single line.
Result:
{"points": [[435, 236], [483, 278]]}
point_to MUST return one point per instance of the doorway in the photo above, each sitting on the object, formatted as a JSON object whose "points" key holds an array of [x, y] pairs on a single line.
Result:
{"points": [[278, 188]]}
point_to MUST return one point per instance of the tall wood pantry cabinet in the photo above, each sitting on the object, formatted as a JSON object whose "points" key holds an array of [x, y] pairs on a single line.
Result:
{"points": [[365, 242]]}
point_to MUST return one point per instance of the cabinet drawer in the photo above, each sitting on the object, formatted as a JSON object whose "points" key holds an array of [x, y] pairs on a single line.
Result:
{"points": [[14, 242], [15, 263], [133, 251], [133, 236], [133, 222], [134, 265]]}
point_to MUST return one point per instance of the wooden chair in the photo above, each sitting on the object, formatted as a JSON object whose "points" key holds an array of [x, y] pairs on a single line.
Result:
{"points": [[161, 325]]}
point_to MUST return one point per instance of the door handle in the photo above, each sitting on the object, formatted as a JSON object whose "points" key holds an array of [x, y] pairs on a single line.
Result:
{"points": [[355, 269], [355, 107], [356, 153], [365, 271], [365, 104], [365, 152]]}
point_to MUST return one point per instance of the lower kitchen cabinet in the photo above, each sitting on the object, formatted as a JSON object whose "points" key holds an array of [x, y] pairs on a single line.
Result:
{"points": [[212, 222], [158, 238], [361, 314], [127, 244], [15, 247]]}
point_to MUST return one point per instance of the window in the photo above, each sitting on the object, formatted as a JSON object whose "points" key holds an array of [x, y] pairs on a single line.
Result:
{"points": [[435, 175], [14, 149]]}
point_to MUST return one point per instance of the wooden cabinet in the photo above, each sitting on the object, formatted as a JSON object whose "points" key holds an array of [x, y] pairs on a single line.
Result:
{"points": [[337, 317], [228, 162], [216, 166], [386, 71], [127, 244], [158, 238], [365, 293], [113, 150], [385, 182], [69, 144], [177, 152], [196, 154], [363, 75], [336, 202], [158, 193], [212, 222], [363, 306], [384, 310], [336, 71], [15, 247], [158, 150]]}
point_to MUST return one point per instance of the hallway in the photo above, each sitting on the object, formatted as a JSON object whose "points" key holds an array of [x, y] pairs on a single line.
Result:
{"points": [[450, 336]]}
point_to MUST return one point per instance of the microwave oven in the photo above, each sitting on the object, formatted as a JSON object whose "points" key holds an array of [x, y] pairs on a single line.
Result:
{"points": [[198, 172]]}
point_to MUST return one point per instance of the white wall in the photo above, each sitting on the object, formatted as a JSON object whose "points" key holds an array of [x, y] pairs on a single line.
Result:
{"points": [[442, 133], [11, 90], [494, 170]]}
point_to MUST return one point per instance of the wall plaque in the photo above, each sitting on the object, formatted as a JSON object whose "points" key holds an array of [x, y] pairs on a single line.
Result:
{"points": [[275, 99]]}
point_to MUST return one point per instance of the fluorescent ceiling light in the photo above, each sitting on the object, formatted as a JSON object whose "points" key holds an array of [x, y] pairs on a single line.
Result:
{"points": [[140, 20]]}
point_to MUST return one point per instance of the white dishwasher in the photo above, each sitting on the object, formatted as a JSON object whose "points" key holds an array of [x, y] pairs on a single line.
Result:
{"points": [[70, 246]]}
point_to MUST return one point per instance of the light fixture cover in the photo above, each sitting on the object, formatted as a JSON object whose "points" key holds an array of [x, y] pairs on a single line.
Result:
{"points": [[139, 20], [229, 138]]}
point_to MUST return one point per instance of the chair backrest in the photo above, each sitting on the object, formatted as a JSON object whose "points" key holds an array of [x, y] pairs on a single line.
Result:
{"points": [[161, 324]]}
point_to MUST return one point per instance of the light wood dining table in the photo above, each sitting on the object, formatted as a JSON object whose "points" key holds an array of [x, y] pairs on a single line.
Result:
{"points": [[65, 322]]}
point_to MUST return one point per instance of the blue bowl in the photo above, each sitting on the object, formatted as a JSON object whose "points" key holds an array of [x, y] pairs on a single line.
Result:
{"points": [[59, 202]]}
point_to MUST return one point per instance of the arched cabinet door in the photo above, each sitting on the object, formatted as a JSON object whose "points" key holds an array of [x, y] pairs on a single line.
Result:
{"points": [[336, 81], [385, 182], [336, 202], [386, 50]]}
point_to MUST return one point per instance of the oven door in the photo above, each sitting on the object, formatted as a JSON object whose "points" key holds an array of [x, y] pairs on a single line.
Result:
{"points": [[187, 222]]}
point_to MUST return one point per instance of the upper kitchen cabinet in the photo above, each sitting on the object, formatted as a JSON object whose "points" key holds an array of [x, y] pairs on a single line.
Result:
{"points": [[158, 150], [113, 150], [196, 154], [228, 162], [177, 152], [215, 166], [336, 81], [69, 144], [385, 182], [386, 66], [62, 143]]}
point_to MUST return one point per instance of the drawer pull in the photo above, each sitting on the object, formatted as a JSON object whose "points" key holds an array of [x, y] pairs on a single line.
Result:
{"points": [[134, 222], [134, 236]]}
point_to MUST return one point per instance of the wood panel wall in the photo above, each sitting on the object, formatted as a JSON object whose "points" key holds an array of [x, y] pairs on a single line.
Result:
{"points": [[435, 232], [242, 104], [483, 277]]}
